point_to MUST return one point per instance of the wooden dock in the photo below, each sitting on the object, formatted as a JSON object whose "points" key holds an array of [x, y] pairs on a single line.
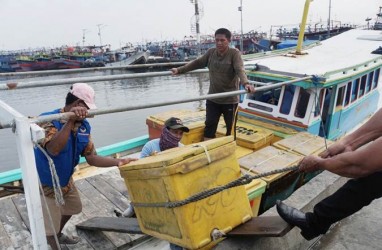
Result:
{"points": [[100, 194]]}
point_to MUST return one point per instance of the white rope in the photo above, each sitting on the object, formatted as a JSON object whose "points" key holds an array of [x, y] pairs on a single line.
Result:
{"points": [[205, 151], [55, 180]]}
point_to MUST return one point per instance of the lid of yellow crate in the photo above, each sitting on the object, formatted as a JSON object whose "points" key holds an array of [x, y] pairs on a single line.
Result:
{"points": [[269, 159], [175, 155], [191, 119], [303, 143], [246, 132]]}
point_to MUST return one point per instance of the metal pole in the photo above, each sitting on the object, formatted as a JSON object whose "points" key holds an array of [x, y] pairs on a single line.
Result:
{"points": [[70, 71], [30, 177], [99, 33], [330, 7], [197, 18], [241, 24], [32, 84], [152, 105]]}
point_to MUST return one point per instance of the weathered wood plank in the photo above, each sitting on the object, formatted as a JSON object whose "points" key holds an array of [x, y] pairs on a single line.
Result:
{"points": [[21, 206], [268, 226], [17, 231], [89, 240], [4, 238], [95, 204], [115, 180], [114, 224], [114, 196]]}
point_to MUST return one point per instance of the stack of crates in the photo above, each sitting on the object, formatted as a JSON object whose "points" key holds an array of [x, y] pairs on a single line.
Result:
{"points": [[304, 144], [279, 186], [178, 173], [248, 135], [194, 120]]}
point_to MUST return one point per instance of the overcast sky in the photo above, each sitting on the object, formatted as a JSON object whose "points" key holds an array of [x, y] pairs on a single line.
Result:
{"points": [[52, 23]]}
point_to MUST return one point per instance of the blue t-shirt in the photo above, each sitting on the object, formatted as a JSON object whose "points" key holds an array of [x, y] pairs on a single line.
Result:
{"points": [[152, 146]]}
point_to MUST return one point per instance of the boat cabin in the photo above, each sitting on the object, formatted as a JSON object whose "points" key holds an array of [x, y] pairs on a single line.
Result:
{"points": [[329, 104]]}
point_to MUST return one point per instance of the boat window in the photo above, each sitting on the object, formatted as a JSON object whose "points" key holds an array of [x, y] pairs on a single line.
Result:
{"points": [[376, 78], [348, 92], [354, 92], [363, 85], [318, 105], [302, 103], [270, 96], [369, 82], [260, 107], [340, 98], [286, 103]]}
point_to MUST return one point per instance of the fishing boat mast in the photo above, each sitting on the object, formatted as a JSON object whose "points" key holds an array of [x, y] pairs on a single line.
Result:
{"points": [[197, 25], [302, 27]]}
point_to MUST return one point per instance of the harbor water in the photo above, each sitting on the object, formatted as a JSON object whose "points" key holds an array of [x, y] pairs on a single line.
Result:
{"points": [[110, 128]]}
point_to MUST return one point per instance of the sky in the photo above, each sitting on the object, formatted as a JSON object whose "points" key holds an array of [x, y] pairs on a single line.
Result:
{"points": [[28, 24]]}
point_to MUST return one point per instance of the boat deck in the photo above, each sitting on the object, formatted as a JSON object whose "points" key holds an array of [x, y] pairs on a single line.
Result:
{"points": [[101, 194]]}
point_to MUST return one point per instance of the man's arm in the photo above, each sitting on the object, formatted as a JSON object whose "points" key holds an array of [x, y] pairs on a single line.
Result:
{"points": [[54, 144], [362, 162], [368, 132], [238, 66], [93, 159], [198, 63], [104, 162]]}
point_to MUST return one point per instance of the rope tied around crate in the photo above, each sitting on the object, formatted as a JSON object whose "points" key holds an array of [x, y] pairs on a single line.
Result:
{"points": [[245, 179]]}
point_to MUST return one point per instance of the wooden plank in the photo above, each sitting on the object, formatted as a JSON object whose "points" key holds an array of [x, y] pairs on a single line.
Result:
{"points": [[115, 180], [14, 226], [113, 195], [267, 226], [4, 238], [95, 204], [89, 240], [114, 224], [21, 206]]}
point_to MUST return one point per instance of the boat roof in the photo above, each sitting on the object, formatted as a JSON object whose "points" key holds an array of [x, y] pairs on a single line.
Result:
{"points": [[341, 51]]}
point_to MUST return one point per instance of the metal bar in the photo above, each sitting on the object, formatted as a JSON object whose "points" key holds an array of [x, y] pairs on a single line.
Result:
{"points": [[31, 84], [67, 115], [70, 71]]}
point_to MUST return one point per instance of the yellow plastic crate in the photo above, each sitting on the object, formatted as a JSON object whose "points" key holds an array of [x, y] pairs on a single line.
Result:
{"points": [[179, 173], [269, 159], [303, 143], [248, 135], [194, 120]]}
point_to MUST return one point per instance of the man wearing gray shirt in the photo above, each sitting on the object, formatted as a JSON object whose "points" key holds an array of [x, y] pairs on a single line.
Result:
{"points": [[226, 70]]}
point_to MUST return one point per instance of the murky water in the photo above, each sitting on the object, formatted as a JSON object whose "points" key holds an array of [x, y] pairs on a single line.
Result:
{"points": [[110, 128]]}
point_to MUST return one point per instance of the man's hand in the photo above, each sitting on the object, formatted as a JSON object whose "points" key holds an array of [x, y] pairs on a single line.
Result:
{"points": [[124, 161], [80, 112], [249, 88], [174, 71], [335, 149], [310, 163]]}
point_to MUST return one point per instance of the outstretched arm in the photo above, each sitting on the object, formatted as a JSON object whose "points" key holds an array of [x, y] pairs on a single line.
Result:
{"points": [[104, 162], [364, 161]]}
